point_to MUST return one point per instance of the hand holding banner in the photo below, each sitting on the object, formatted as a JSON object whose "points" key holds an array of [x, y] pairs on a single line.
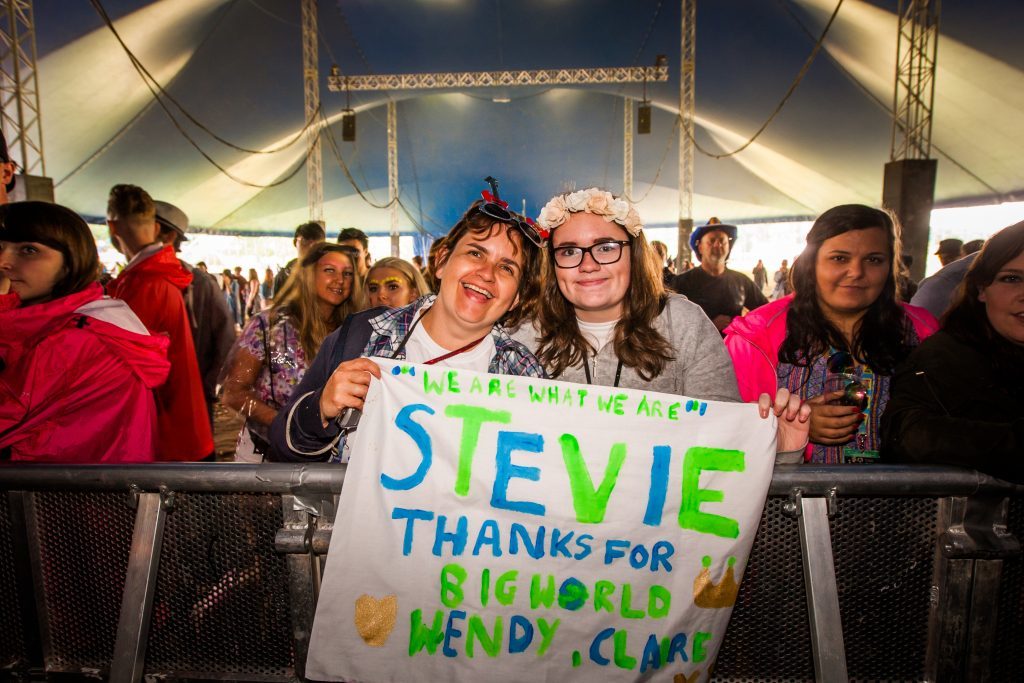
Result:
{"points": [[507, 528]]}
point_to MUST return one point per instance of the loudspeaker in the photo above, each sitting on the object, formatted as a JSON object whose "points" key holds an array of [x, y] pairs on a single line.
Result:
{"points": [[909, 190], [643, 119], [32, 187], [348, 126]]}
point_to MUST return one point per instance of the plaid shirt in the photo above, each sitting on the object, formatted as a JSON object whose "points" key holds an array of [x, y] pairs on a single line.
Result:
{"points": [[391, 327]]}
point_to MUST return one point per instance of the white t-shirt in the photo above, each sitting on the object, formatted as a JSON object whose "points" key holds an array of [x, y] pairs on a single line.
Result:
{"points": [[597, 334], [420, 347]]}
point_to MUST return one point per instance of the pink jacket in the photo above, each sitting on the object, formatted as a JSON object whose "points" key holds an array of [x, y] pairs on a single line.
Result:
{"points": [[753, 342], [76, 380]]}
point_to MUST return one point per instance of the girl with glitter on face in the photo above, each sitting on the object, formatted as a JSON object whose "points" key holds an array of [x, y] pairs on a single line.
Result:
{"points": [[394, 282]]}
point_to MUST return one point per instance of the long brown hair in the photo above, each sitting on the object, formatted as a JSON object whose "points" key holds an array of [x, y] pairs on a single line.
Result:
{"points": [[297, 299], [880, 339], [637, 343]]}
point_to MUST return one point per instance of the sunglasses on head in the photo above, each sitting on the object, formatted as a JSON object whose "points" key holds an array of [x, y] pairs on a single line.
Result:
{"points": [[497, 209]]}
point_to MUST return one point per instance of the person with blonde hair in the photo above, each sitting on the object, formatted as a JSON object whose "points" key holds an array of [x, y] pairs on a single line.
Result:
{"points": [[394, 282], [278, 344]]}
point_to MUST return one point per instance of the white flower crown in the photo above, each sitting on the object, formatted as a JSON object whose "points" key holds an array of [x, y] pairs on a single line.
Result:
{"points": [[595, 201]]}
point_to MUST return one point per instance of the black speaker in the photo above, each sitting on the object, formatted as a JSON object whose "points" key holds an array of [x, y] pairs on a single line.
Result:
{"points": [[348, 126], [643, 119]]}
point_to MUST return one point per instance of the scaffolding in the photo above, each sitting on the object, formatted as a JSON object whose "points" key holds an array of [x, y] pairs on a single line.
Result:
{"points": [[914, 95], [687, 112], [311, 95], [19, 87]]}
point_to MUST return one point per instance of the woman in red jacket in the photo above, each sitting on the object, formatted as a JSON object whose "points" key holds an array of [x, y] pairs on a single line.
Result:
{"points": [[77, 370], [837, 339]]}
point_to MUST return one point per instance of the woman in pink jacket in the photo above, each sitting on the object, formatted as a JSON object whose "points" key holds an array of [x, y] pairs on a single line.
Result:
{"points": [[77, 370], [837, 339]]}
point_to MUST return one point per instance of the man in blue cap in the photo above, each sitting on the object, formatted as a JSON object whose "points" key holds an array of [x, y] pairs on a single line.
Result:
{"points": [[722, 293]]}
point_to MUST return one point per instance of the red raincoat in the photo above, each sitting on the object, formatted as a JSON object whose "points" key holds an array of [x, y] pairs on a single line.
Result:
{"points": [[153, 287], [76, 380]]}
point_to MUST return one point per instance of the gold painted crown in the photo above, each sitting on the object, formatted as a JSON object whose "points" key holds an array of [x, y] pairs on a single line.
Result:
{"points": [[710, 595]]}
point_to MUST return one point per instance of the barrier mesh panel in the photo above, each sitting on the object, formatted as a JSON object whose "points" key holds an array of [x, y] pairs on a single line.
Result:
{"points": [[884, 554], [84, 541], [12, 645], [221, 604], [1008, 649], [768, 639]]}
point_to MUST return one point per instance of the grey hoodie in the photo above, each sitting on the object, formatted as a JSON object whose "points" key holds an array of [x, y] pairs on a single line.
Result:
{"points": [[702, 368]]}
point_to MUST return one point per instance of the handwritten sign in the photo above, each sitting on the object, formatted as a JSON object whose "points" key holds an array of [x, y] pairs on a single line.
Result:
{"points": [[507, 529]]}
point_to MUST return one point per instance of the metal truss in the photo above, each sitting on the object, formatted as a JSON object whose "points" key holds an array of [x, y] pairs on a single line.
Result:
{"points": [[19, 86], [311, 95], [393, 173], [914, 94], [487, 79], [627, 147], [687, 113]]}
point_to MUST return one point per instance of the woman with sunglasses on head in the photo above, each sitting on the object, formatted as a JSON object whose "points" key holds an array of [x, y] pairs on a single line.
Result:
{"points": [[77, 370], [489, 267], [394, 282], [278, 344], [959, 398], [837, 339], [605, 318]]}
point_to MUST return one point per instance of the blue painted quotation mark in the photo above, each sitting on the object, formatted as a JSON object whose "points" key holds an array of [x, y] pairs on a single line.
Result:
{"points": [[403, 370], [700, 406]]}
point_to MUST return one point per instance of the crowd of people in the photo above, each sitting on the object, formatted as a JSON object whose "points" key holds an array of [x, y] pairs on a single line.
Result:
{"points": [[130, 371]]}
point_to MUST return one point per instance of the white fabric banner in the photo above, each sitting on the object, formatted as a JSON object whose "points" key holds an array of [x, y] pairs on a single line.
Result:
{"points": [[496, 528]]}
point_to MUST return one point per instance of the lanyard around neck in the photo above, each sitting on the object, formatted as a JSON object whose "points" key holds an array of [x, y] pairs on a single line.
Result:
{"points": [[586, 370], [468, 347]]}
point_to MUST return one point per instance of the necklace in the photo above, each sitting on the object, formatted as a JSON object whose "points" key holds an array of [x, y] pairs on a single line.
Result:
{"points": [[468, 347]]}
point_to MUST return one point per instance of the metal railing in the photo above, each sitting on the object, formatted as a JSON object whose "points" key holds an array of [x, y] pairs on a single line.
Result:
{"points": [[211, 572]]}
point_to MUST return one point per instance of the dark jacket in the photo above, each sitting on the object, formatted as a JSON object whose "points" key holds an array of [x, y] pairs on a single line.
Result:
{"points": [[727, 294], [213, 327], [950, 406]]}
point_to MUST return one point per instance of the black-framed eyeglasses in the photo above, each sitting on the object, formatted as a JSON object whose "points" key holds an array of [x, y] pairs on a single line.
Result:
{"points": [[603, 253], [497, 209]]}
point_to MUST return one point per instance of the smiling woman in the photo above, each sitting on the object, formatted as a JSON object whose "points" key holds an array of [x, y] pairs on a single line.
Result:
{"points": [[838, 338], [276, 347], [489, 267], [959, 398]]}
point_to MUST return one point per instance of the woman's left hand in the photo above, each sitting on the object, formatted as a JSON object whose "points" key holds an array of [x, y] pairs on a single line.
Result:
{"points": [[794, 419]]}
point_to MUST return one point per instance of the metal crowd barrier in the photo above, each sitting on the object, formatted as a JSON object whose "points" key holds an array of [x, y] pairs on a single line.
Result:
{"points": [[211, 572]]}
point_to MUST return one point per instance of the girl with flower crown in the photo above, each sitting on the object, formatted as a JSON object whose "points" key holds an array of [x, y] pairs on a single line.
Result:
{"points": [[604, 316]]}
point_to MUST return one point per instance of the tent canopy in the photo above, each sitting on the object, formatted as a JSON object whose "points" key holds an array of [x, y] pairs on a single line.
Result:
{"points": [[235, 66]]}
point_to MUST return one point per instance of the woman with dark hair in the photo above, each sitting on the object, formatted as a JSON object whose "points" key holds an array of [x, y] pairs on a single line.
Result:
{"points": [[959, 398], [604, 316], [278, 344], [77, 370], [837, 339], [489, 268]]}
